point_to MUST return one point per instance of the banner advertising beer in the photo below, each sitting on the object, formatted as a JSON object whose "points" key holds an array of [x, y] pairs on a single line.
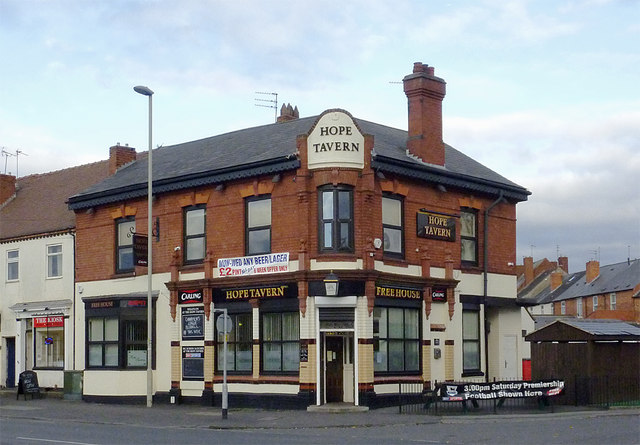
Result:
{"points": [[451, 392], [254, 265]]}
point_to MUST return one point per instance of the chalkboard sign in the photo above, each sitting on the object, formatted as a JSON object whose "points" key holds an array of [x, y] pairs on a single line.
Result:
{"points": [[193, 362], [193, 323], [28, 384]]}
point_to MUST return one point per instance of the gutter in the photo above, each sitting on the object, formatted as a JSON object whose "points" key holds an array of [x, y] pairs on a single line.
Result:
{"points": [[486, 272]]}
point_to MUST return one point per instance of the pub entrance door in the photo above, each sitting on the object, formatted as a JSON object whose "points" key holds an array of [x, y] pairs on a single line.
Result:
{"points": [[334, 368]]}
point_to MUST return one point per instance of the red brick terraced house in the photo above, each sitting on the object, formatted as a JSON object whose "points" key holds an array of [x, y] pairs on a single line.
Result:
{"points": [[349, 255]]}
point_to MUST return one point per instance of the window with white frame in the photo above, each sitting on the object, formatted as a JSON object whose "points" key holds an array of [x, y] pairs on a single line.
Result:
{"points": [[563, 308], [195, 241], [579, 306], [595, 303], [258, 225], [612, 301], [13, 263], [54, 261], [469, 236], [392, 226], [125, 227]]}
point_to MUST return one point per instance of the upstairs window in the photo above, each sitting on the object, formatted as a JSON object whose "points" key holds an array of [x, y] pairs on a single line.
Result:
{"points": [[336, 219], [13, 263], [258, 225], [579, 309], [195, 241], [612, 301], [125, 227], [469, 237], [595, 303], [392, 226], [54, 261], [563, 308]]}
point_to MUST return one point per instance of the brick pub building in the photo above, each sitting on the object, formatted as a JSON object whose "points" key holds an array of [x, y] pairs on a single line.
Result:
{"points": [[419, 238]]}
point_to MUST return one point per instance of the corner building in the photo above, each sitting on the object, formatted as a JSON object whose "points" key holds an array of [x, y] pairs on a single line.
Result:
{"points": [[266, 222]]}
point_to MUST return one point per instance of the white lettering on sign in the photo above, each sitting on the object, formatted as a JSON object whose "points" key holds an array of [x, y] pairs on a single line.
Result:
{"points": [[335, 142], [50, 322]]}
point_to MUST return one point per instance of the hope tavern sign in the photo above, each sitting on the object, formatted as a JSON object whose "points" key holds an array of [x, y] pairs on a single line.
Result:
{"points": [[436, 226], [335, 142]]}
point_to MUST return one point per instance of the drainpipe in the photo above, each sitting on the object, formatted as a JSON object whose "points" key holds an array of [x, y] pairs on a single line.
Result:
{"points": [[73, 314], [486, 272]]}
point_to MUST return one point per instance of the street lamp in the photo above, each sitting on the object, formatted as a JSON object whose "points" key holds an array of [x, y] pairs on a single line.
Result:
{"points": [[331, 283], [147, 92]]}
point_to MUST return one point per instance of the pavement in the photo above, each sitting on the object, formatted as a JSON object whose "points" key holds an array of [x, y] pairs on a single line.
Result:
{"points": [[54, 406]]}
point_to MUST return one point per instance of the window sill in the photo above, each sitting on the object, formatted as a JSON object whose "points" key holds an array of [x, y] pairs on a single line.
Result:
{"points": [[473, 374], [337, 256], [123, 275], [191, 267]]}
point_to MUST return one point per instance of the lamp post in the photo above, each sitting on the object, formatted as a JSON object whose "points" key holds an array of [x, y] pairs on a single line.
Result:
{"points": [[147, 92]]}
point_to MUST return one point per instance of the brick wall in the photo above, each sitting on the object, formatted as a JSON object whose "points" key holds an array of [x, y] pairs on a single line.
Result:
{"points": [[294, 218]]}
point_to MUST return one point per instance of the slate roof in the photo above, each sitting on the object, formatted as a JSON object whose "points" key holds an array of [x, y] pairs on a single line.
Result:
{"points": [[39, 206], [586, 329], [603, 327], [270, 149], [613, 278]]}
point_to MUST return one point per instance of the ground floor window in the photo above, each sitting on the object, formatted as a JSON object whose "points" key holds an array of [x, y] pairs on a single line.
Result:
{"points": [[396, 335], [116, 334], [49, 342], [102, 342], [280, 342], [470, 341], [239, 345]]}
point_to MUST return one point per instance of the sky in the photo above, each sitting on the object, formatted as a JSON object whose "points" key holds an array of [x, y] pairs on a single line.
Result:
{"points": [[543, 92]]}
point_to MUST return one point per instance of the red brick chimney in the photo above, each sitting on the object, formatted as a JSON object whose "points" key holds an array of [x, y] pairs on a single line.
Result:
{"points": [[425, 93], [528, 270], [7, 187], [556, 280], [593, 270], [563, 262], [288, 113], [119, 156]]}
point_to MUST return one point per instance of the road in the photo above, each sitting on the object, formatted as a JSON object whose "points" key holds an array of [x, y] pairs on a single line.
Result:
{"points": [[590, 428]]}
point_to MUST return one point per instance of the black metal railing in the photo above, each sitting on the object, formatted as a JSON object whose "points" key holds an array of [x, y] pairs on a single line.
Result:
{"points": [[594, 392]]}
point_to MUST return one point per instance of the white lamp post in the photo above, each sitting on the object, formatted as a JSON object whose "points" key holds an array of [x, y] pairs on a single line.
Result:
{"points": [[147, 92]]}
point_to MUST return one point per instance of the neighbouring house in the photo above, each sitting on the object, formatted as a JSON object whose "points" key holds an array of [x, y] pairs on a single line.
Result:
{"points": [[37, 260], [350, 256]]}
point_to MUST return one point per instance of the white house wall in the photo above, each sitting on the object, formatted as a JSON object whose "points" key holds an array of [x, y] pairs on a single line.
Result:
{"points": [[117, 382], [34, 286]]}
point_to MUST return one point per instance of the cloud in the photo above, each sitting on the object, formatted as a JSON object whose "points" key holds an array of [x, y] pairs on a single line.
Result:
{"points": [[581, 167]]}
